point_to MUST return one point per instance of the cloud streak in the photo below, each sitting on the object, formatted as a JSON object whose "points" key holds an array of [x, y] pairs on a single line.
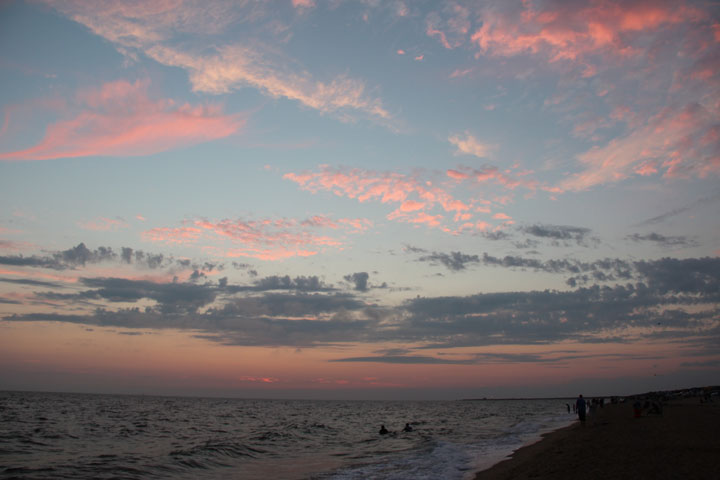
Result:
{"points": [[120, 120], [663, 240], [674, 144], [218, 65], [264, 239], [234, 67]]}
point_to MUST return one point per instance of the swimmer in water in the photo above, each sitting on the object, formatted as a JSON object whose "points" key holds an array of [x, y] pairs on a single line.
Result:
{"points": [[383, 430], [407, 428]]}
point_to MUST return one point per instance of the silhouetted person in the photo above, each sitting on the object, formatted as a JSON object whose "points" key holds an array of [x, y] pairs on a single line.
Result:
{"points": [[407, 428], [568, 407], [383, 430], [580, 404]]}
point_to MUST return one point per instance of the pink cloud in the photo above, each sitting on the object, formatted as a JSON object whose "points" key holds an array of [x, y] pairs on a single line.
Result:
{"points": [[450, 26], [647, 168], [508, 178], [44, 276], [270, 254], [419, 58], [461, 72], [279, 232], [676, 143], [320, 221], [456, 175], [181, 235], [401, 9], [453, 205], [260, 379], [303, 4], [361, 184], [432, 32], [414, 197], [501, 216], [386, 187], [705, 72], [120, 120], [236, 66], [411, 206], [576, 29], [282, 238], [15, 246], [419, 218], [357, 224], [401, 51], [265, 239], [160, 30]]}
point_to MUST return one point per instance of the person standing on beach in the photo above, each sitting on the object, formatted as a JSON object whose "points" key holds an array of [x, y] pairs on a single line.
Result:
{"points": [[580, 405]]}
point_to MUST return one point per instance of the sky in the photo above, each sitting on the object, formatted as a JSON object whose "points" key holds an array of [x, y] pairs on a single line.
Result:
{"points": [[359, 199]]}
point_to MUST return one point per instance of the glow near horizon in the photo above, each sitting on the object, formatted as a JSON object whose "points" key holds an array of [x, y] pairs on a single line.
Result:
{"points": [[359, 199]]}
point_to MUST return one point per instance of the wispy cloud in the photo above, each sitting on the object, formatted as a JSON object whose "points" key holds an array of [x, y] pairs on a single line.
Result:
{"points": [[663, 240], [218, 65], [169, 235], [119, 119], [264, 239], [234, 67], [268, 239], [510, 178], [450, 25], [674, 143], [678, 211], [104, 224], [469, 145]]}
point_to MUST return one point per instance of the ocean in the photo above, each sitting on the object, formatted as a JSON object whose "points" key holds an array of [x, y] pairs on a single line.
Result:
{"points": [[83, 436]]}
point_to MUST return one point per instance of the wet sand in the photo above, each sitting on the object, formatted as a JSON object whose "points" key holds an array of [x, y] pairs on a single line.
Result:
{"points": [[683, 443]]}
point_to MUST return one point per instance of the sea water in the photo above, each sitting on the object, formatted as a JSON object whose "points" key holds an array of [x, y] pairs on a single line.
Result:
{"points": [[62, 435]]}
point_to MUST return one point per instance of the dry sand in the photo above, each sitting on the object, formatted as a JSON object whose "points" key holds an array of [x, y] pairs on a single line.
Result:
{"points": [[683, 443]]}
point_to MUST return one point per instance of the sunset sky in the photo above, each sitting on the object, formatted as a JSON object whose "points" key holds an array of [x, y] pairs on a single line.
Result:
{"points": [[359, 199]]}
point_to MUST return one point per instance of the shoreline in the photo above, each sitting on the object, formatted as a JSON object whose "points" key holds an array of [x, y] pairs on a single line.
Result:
{"points": [[682, 443]]}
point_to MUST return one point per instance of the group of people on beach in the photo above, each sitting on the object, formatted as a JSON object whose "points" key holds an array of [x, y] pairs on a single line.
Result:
{"points": [[385, 431]]}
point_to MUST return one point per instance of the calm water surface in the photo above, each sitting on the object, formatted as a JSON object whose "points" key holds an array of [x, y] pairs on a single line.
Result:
{"points": [[56, 435]]}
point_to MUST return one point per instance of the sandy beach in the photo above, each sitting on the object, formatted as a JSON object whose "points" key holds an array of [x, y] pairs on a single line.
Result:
{"points": [[683, 443]]}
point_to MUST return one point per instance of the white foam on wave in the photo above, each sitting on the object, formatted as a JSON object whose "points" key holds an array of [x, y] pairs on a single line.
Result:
{"points": [[525, 432], [445, 460], [457, 461]]}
